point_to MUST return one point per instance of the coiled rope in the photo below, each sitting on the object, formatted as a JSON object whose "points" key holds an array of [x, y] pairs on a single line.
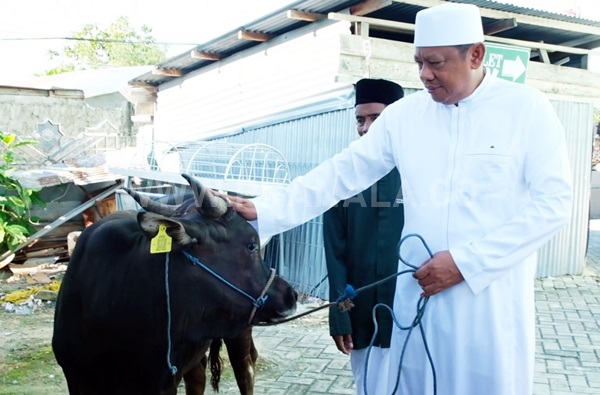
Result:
{"points": [[344, 302], [421, 304]]}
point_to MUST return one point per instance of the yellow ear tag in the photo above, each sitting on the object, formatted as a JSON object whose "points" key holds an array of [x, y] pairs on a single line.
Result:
{"points": [[161, 242]]}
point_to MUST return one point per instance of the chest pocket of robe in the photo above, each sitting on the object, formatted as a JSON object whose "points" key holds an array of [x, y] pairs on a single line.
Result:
{"points": [[487, 176]]}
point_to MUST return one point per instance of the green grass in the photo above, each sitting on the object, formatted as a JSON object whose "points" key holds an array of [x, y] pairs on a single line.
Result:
{"points": [[31, 369]]}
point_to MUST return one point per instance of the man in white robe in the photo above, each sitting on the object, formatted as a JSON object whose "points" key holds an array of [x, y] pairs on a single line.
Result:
{"points": [[485, 181]]}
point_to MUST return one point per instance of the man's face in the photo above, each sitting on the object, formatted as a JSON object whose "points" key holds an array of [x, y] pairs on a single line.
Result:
{"points": [[449, 74], [366, 114]]}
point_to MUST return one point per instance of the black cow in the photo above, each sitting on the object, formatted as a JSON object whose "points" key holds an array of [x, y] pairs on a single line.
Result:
{"points": [[131, 322]]}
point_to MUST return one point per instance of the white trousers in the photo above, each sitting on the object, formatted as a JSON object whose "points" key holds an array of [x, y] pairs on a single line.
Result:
{"points": [[377, 378]]}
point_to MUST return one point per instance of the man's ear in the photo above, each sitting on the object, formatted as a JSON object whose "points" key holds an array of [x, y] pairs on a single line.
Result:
{"points": [[476, 55]]}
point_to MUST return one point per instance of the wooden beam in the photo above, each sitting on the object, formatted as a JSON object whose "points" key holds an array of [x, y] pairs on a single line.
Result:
{"points": [[362, 29], [142, 118], [536, 45], [585, 62], [254, 36], [396, 26], [143, 84], [143, 89], [500, 26], [167, 72], [195, 54], [305, 16], [544, 56], [582, 41], [409, 27], [368, 6], [522, 19], [25, 91]]}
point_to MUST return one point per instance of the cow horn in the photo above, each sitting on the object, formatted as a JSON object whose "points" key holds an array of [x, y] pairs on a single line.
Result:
{"points": [[210, 205], [151, 205]]}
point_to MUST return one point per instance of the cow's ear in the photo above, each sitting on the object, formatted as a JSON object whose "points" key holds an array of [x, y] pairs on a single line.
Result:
{"points": [[149, 222]]}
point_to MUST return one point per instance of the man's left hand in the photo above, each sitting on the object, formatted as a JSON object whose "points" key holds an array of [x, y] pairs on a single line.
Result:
{"points": [[438, 273]]}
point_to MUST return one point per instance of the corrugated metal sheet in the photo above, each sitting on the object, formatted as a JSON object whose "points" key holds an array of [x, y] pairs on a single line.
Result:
{"points": [[307, 141], [510, 7], [303, 258], [298, 253], [277, 24], [566, 252], [304, 142], [57, 175]]}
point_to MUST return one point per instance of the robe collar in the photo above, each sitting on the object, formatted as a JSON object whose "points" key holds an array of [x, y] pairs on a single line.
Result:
{"points": [[487, 78]]}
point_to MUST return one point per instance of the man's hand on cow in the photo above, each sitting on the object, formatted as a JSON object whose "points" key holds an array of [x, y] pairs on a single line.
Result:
{"points": [[244, 207], [344, 343], [438, 273]]}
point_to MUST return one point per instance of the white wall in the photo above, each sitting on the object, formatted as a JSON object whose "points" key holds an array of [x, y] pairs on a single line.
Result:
{"points": [[287, 73]]}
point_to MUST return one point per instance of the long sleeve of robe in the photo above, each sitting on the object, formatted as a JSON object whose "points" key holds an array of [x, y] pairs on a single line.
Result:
{"points": [[487, 179]]}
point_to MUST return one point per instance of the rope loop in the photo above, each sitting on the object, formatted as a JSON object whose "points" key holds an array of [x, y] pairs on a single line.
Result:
{"points": [[416, 323]]}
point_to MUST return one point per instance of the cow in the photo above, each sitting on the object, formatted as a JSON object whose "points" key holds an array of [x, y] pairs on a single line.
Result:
{"points": [[144, 292]]}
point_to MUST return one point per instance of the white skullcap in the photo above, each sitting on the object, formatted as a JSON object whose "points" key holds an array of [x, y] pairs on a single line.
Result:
{"points": [[448, 24]]}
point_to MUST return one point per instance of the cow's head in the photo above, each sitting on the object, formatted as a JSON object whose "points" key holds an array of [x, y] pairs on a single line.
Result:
{"points": [[206, 230]]}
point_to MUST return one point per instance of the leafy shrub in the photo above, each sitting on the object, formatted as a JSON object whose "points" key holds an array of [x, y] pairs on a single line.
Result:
{"points": [[16, 223]]}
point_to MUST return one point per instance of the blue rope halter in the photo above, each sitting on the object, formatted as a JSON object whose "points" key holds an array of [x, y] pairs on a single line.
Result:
{"points": [[256, 302]]}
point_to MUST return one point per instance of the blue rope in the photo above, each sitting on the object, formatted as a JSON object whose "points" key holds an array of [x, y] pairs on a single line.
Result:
{"points": [[172, 368], [351, 293], [258, 303]]}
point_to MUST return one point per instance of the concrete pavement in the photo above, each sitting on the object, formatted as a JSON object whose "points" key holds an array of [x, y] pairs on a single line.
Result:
{"points": [[299, 357]]}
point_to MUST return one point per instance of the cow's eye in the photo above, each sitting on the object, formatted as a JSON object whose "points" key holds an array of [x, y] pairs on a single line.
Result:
{"points": [[253, 247]]}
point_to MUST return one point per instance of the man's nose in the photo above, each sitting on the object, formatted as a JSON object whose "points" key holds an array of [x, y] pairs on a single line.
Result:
{"points": [[366, 125], [425, 73]]}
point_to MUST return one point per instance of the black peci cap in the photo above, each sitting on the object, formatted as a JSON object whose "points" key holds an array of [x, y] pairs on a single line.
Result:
{"points": [[377, 91]]}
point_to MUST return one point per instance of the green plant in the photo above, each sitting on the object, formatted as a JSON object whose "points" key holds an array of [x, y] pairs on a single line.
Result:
{"points": [[16, 223]]}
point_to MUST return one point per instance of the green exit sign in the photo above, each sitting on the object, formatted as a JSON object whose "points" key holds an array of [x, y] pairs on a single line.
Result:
{"points": [[507, 62]]}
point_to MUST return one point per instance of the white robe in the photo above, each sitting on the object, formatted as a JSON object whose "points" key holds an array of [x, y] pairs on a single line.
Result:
{"points": [[487, 179], [378, 365]]}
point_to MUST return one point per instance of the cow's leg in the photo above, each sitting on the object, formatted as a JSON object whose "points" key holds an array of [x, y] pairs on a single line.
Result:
{"points": [[243, 356], [195, 378]]}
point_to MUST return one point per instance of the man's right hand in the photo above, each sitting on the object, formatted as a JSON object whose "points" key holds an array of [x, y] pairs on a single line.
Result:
{"points": [[244, 207], [343, 343]]}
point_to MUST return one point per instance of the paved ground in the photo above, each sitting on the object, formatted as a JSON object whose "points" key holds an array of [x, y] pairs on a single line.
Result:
{"points": [[568, 345]]}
